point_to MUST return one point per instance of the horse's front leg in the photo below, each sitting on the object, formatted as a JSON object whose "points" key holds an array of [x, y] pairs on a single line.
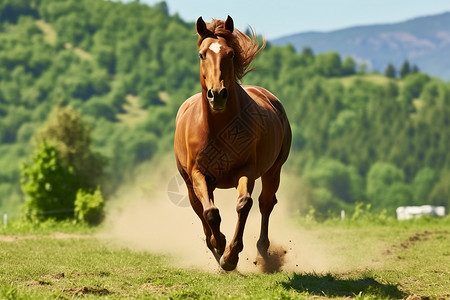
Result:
{"points": [[210, 214], [230, 258], [198, 208]]}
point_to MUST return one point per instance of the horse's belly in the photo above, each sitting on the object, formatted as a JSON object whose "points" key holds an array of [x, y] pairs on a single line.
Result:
{"points": [[224, 167]]}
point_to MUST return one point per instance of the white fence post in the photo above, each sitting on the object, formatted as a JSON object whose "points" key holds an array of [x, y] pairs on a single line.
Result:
{"points": [[5, 219]]}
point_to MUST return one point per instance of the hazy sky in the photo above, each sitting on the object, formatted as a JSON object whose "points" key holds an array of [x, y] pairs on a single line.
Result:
{"points": [[276, 18]]}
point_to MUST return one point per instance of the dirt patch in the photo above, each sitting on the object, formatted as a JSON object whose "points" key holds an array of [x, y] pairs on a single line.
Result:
{"points": [[418, 237], [409, 242], [46, 280], [58, 276], [276, 258], [417, 297], [52, 277], [7, 238], [152, 286], [38, 283], [412, 240], [61, 235], [14, 238], [85, 290], [159, 289], [150, 221], [56, 235]]}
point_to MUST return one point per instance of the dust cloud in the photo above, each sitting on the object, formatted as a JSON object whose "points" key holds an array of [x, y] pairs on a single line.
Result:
{"points": [[152, 217]]}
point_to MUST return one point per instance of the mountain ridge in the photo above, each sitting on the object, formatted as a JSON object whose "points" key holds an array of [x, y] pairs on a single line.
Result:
{"points": [[423, 41]]}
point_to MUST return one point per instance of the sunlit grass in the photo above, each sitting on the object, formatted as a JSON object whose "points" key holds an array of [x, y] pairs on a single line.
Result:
{"points": [[377, 261], [370, 77]]}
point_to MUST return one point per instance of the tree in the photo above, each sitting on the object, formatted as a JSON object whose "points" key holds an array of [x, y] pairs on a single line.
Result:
{"points": [[386, 187], [405, 69], [440, 195], [343, 182], [307, 51], [390, 71], [413, 85], [11, 10], [94, 54], [348, 66], [329, 64], [72, 139], [422, 185], [62, 165]]}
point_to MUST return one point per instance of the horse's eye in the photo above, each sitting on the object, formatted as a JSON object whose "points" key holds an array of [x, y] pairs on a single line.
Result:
{"points": [[202, 57], [231, 54]]}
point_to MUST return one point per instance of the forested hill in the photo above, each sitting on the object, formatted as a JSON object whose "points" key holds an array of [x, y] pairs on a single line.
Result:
{"points": [[424, 41], [127, 67]]}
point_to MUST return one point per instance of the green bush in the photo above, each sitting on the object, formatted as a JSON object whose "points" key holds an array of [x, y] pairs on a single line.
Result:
{"points": [[62, 165], [71, 137], [50, 186], [89, 207]]}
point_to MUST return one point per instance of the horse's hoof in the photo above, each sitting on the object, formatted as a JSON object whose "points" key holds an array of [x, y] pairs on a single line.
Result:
{"points": [[263, 247], [227, 266]]}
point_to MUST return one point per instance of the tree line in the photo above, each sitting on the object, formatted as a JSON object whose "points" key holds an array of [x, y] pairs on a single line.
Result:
{"points": [[126, 68], [405, 70]]}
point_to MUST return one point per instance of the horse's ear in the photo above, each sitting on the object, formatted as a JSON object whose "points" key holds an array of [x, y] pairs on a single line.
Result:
{"points": [[229, 24], [201, 27]]}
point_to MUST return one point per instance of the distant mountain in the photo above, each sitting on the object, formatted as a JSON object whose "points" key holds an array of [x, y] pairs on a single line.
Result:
{"points": [[424, 41]]}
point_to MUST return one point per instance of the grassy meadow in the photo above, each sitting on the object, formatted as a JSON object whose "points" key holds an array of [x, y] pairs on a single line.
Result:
{"points": [[372, 260]]}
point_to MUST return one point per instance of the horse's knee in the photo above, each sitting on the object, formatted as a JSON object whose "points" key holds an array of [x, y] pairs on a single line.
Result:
{"points": [[212, 216], [244, 204]]}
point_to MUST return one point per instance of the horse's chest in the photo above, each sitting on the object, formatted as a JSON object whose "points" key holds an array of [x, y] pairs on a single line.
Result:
{"points": [[228, 150]]}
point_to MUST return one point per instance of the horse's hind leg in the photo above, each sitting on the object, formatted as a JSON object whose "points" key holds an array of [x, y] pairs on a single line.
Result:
{"points": [[230, 257], [267, 200]]}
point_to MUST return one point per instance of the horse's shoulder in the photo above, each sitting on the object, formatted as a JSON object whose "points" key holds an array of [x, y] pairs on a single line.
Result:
{"points": [[187, 105]]}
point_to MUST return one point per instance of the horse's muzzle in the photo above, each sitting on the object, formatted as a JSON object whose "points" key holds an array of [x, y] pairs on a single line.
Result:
{"points": [[217, 98]]}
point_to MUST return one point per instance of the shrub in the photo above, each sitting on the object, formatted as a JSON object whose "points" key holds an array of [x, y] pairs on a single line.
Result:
{"points": [[62, 165], [72, 140], [50, 186], [89, 207]]}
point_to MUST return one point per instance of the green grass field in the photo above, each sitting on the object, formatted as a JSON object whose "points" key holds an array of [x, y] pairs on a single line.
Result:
{"points": [[393, 260]]}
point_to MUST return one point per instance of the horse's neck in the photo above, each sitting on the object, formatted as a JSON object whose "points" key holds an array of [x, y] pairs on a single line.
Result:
{"points": [[219, 120]]}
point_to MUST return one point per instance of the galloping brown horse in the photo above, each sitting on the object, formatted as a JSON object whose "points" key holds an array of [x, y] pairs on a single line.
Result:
{"points": [[228, 136]]}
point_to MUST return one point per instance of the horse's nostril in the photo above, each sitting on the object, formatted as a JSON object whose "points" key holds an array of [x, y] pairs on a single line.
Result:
{"points": [[210, 94], [224, 93]]}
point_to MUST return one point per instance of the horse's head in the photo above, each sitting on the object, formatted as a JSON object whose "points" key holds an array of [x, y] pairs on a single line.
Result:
{"points": [[217, 74]]}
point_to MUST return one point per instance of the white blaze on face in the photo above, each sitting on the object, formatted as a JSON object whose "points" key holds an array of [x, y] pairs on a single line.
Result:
{"points": [[215, 47]]}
